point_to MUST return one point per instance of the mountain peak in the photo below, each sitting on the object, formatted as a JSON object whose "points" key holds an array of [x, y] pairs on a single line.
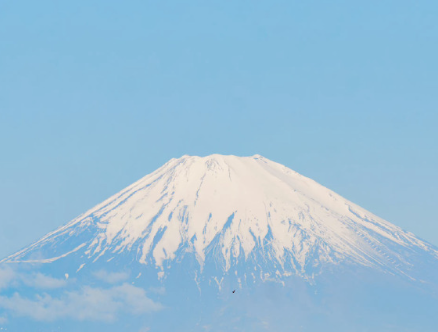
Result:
{"points": [[231, 210]]}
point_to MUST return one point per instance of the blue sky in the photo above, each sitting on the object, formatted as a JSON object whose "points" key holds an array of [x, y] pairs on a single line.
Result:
{"points": [[94, 96]]}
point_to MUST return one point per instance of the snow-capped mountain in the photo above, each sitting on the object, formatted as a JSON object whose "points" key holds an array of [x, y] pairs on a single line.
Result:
{"points": [[238, 208], [222, 243]]}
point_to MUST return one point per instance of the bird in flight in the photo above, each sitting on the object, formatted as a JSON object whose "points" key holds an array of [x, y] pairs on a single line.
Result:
{"points": [[234, 291]]}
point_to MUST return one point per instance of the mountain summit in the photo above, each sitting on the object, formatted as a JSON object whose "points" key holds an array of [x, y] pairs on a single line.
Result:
{"points": [[232, 211], [223, 243]]}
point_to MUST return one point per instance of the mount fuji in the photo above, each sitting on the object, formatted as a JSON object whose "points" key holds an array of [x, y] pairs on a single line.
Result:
{"points": [[167, 252]]}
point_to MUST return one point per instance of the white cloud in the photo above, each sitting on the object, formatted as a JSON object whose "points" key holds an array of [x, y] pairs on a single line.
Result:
{"points": [[87, 304], [7, 276], [11, 277], [3, 320], [111, 277], [40, 280]]}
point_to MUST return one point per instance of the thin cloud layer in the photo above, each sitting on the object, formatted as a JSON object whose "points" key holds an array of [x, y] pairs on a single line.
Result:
{"points": [[96, 304], [7, 276], [111, 277], [11, 277], [42, 281], [157, 290]]}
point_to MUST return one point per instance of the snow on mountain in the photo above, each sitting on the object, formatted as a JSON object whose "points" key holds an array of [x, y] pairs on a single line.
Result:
{"points": [[235, 210]]}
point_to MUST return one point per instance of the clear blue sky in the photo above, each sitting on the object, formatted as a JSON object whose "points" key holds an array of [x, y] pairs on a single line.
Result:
{"points": [[96, 94]]}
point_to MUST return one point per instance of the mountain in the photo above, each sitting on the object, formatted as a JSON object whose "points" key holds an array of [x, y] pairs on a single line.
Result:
{"points": [[221, 223]]}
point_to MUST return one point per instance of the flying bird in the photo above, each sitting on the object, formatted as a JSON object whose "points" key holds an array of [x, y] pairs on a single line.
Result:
{"points": [[234, 291]]}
